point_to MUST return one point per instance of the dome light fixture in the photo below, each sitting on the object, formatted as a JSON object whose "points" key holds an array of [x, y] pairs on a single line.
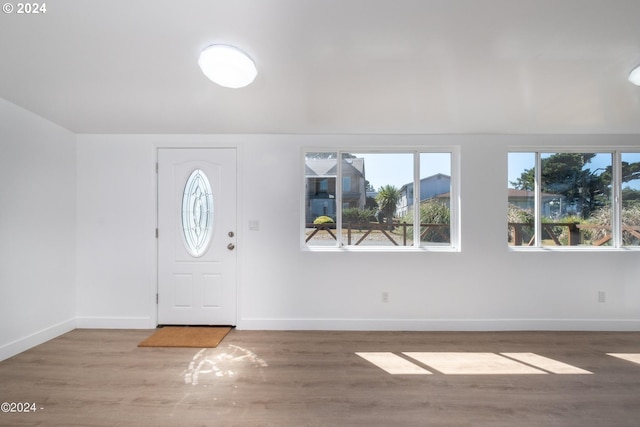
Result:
{"points": [[634, 76], [227, 66]]}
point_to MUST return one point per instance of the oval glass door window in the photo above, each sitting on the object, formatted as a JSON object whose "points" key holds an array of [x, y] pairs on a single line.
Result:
{"points": [[197, 213]]}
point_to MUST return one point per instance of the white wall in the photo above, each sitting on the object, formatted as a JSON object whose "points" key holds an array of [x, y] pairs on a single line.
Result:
{"points": [[37, 230], [116, 233], [483, 287], [77, 244]]}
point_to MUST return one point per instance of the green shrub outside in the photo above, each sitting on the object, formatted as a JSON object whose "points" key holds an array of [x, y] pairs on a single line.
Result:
{"points": [[358, 216], [601, 217], [630, 217], [431, 212], [519, 215], [323, 220]]}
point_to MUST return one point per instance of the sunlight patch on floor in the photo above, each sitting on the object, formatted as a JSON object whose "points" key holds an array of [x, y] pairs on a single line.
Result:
{"points": [[473, 363], [393, 364], [631, 357], [545, 363], [469, 363], [211, 362]]}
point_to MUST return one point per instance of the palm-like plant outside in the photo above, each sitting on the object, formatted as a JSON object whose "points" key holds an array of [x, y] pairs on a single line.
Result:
{"points": [[388, 197]]}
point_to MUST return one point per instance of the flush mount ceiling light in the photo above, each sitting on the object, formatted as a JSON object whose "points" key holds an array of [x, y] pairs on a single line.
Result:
{"points": [[634, 76], [227, 66]]}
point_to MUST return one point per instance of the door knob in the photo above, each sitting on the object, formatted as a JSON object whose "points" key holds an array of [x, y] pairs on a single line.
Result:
{"points": [[231, 246]]}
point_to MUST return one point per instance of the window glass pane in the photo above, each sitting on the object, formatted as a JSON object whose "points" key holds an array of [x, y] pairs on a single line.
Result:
{"points": [[375, 205], [371, 210], [575, 199], [346, 183], [435, 198], [630, 199], [320, 198], [197, 213], [521, 199]]}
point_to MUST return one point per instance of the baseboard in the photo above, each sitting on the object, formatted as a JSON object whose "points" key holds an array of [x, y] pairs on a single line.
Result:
{"points": [[631, 325], [18, 346], [115, 323]]}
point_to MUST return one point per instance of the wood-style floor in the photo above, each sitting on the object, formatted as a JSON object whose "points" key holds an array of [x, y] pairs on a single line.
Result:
{"points": [[283, 378]]}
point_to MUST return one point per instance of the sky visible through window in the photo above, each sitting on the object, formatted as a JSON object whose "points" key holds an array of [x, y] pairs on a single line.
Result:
{"points": [[397, 168], [519, 162]]}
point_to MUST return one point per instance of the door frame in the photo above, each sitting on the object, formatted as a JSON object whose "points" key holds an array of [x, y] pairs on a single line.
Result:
{"points": [[154, 167]]}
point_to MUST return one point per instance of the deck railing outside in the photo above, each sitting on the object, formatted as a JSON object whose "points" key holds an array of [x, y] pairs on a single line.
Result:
{"points": [[521, 234], [398, 233]]}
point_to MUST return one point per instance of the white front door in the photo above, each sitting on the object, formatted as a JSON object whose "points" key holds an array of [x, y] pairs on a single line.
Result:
{"points": [[197, 236]]}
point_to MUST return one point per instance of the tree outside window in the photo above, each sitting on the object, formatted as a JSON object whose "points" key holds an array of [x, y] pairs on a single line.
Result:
{"points": [[573, 203]]}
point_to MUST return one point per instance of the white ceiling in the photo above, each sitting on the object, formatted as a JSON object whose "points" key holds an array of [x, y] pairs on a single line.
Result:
{"points": [[329, 66]]}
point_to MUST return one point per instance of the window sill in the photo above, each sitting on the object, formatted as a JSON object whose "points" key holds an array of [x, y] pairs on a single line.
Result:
{"points": [[573, 249], [393, 249]]}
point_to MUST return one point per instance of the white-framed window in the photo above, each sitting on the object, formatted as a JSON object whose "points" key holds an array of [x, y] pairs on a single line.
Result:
{"points": [[389, 199], [574, 199]]}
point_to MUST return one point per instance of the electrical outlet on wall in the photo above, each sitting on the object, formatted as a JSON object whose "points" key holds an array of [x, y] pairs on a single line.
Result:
{"points": [[385, 297], [602, 296]]}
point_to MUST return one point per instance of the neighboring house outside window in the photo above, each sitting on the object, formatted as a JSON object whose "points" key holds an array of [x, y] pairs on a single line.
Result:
{"points": [[551, 205], [430, 187], [320, 178], [368, 199]]}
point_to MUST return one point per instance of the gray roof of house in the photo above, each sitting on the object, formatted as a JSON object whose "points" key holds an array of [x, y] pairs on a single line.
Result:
{"points": [[325, 167], [320, 167]]}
